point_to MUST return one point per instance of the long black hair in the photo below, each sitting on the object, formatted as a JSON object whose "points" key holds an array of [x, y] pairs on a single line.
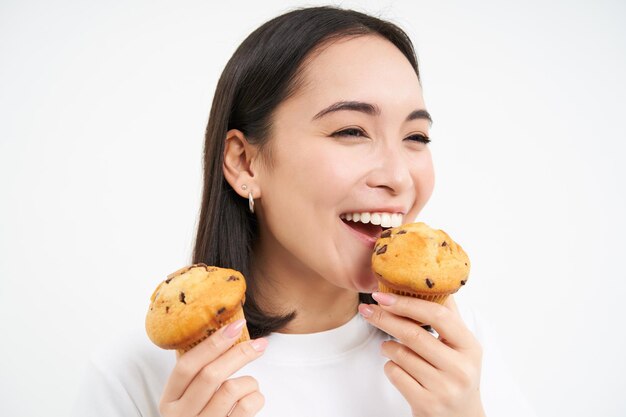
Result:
{"points": [[266, 69]]}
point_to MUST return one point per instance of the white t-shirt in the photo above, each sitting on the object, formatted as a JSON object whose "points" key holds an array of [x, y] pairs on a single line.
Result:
{"points": [[338, 372]]}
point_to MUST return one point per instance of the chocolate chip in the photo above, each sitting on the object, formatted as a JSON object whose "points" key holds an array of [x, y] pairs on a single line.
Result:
{"points": [[386, 233], [221, 310], [444, 243], [463, 282], [167, 281], [465, 263], [167, 309], [381, 250], [429, 283], [401, 232], [232, 278], [181, 297]]}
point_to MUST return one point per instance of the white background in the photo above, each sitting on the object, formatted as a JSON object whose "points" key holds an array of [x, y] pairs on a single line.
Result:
{"points": [[103, 106]]}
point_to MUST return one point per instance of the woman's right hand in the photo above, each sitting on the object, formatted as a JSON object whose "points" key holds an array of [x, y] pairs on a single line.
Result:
{"points": [[198, 384]]}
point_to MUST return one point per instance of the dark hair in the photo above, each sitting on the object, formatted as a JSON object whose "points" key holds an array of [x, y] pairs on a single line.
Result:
{"points": [[266, 69]]}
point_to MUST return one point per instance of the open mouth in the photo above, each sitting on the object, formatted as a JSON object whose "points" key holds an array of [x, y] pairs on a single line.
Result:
{"points": [[371, 225]]}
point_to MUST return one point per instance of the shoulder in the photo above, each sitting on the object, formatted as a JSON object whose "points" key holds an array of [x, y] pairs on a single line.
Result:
{"points": [[134, 361], [128, 356], [124, 377]]}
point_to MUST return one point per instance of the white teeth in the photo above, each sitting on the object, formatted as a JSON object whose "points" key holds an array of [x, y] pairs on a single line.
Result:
{"points": [[382, 219]]}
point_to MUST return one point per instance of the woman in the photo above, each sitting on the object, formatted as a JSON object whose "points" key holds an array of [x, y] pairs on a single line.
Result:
{"points": [[319, 113]]}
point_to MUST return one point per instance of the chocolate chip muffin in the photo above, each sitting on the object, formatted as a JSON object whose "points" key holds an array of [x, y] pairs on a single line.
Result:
{"points": [[194, 302], [421, 262]]}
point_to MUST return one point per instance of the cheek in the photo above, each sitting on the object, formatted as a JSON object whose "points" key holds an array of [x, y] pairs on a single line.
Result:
{"points": [[426, 181], [301, 193], [300, 200], [423, 175], [320, 174]]}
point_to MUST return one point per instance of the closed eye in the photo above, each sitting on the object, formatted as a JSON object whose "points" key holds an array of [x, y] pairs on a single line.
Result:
{"points": [[419, 138], [355, 132]]}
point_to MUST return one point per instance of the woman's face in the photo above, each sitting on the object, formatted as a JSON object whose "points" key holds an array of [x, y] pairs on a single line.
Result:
{"points": [[319, 178]]}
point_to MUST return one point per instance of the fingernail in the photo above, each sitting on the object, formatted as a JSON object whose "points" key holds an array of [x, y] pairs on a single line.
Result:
{"points": [[365, 310], [383, 298], [233, 329], [259, 344]]}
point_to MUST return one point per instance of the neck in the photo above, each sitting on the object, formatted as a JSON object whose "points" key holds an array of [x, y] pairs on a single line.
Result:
{"points": [[319, 305]]}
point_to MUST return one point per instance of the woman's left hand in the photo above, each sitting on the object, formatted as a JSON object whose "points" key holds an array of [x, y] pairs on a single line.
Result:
{"points": [[438, 377]]}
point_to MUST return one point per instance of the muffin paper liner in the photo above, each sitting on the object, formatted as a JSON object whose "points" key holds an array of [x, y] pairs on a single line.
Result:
{"points": [[435, 298], [245, 335]]}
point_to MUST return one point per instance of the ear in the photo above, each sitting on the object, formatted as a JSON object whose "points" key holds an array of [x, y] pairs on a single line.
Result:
{"points": [[239, 168]]}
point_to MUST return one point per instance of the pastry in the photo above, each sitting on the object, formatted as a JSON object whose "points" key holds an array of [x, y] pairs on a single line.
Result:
{"points": [[193, 303], [416, 260]]}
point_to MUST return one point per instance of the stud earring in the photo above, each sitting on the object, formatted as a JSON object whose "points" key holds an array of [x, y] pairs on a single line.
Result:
{"points": [[244, 187]]}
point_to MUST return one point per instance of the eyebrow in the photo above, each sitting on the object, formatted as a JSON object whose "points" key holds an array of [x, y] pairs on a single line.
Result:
{"points": [[371, 109]]}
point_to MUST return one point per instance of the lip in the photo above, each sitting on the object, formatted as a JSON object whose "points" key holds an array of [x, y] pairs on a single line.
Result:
{"points": [[366, 239], [391, 210]]}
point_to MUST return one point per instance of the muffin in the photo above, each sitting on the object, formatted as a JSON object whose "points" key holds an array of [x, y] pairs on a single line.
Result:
{"points": [[416, 260], [193, 303]]}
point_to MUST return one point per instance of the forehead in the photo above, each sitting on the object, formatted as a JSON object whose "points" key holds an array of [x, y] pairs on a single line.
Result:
{"points": [[366, 68]]}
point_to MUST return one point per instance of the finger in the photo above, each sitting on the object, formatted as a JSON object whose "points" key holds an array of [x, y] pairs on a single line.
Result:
{"points": [[451, 304], [190, 363], [412, 335], [410, 389], [420, 370], [208, 380], [445, 321], [249, 405], [231, 391]]}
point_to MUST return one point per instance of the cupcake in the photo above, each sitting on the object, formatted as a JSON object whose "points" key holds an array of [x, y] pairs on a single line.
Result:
{"points": [[420, 262], [193, 303]]}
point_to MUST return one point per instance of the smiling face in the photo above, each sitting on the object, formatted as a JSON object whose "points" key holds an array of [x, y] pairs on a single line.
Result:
{"points": [[330, 168]]}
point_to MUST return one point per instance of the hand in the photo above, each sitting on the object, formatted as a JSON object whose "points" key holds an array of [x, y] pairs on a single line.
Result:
{"points": [[198, 386], [438, 377]]}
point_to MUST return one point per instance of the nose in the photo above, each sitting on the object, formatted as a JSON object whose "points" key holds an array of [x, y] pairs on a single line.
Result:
{"points": [[390, 170]]}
